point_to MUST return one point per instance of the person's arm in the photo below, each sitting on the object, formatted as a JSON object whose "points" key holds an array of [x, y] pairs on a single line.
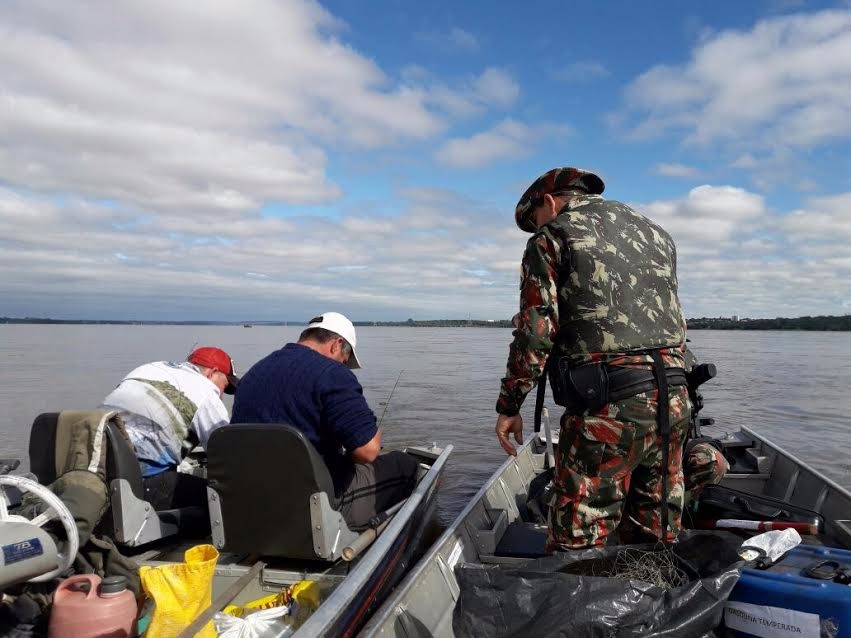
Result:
{"points": [[369, 452], [211, 415], [535, 327], [347, 415]]}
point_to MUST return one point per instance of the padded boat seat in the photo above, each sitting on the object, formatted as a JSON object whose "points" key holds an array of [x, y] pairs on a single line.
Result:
{"points": [[266, 484], [121, 461], [134, 521]]}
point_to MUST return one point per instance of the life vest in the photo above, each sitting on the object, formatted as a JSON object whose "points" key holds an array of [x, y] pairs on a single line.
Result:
{"points": [[618, 280]]}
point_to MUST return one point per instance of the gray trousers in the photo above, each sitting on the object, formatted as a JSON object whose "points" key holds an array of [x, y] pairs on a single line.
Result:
{"points": [[371, 488]]}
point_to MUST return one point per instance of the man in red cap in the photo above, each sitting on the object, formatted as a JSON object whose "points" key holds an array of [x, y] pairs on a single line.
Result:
{"points": [[167, 409], [600, 316]]}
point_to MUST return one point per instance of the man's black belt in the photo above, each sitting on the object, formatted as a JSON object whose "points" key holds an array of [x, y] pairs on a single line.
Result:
{"points": [[627, 382], [588, 387]]}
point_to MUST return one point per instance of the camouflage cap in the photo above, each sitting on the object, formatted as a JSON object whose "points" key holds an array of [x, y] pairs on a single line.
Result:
{"points": [[553, 181]]}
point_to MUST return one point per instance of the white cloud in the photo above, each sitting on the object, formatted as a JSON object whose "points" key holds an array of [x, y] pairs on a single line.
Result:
{"points": [[786, 81], [163, 105], [493, 88], [140, 141], [496, 86], [509, 138], [433, 256], [823, 219], [455, 38], [746, 161], [581, 70], [675, 170], [463, 39], [707, 214], [432, 253], [737, 257]]}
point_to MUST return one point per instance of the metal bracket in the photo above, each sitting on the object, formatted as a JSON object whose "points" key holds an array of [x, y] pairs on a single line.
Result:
{"points": [[217, 522], [135, 521], [329, 529]]}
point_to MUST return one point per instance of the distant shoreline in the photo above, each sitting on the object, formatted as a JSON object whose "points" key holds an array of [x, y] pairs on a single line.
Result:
{"points": [[831, 323]]}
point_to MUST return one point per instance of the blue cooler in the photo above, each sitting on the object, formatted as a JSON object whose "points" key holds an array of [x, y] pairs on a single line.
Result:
{"points": [[782, 601]]}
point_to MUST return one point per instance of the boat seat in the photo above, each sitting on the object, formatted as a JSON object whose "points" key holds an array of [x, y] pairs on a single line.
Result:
{"points": [[134, 520], [121, 461], [523, 540], [270, 494]]}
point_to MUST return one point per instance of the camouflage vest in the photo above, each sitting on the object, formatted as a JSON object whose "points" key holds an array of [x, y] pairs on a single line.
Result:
{"points": [[617, 281]]}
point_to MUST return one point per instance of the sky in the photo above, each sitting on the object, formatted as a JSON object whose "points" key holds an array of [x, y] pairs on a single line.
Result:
{"points": [[243, 160]]}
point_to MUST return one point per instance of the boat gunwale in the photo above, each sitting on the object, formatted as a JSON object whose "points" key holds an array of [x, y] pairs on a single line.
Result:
{"points": [[383, 613], [779, 450], [338, 601]]}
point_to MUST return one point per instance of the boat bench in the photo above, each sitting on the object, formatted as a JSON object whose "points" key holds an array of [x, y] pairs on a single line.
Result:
{"points": [[271, 494], [135, 522], [516, 540]]}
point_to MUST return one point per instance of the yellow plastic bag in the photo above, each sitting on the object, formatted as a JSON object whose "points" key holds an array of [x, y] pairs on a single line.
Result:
{"points": [[181, 592]]}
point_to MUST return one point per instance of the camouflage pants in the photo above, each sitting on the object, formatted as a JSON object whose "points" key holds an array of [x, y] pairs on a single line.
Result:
{"points": [[610, 463], [704, 465]]}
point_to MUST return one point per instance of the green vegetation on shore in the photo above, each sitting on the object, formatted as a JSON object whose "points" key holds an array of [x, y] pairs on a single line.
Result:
{"points": [[829, 322]]}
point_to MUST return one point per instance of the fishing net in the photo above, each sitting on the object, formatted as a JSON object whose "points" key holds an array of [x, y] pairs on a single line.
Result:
{"points": [[659, 566]]}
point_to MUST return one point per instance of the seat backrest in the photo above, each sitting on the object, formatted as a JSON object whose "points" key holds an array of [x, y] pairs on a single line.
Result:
{"points": [[121, 460], [264, 475], [43, 447]]}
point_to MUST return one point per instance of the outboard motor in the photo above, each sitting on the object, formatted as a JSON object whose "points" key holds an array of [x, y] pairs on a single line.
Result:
{"points": [[696, 377], [27, 551]]}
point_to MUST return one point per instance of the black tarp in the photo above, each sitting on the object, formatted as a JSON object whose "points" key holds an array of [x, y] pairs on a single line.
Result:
{"points": [[539, 599]]}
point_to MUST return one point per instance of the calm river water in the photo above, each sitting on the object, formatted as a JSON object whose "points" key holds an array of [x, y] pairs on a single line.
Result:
{"points": [[795, 387]]}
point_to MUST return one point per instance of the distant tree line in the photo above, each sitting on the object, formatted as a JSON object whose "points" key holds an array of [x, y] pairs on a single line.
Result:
{"points": [[114, 322], [826, 322], [442, 323]]}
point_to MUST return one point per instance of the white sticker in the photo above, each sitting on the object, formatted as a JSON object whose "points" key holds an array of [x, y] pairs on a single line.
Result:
{"points": [[454, 555], [771, 622]]}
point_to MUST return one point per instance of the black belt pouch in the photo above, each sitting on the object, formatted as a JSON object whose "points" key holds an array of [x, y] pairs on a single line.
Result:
{"points": [[579, 389]]}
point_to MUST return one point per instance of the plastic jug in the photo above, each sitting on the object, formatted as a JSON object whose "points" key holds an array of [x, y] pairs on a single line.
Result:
{"points": [[86, 607]]}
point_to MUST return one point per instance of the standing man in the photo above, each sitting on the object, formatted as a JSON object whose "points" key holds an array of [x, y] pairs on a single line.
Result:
{"points": [[310, 386], [169, 408], [599, 313]]}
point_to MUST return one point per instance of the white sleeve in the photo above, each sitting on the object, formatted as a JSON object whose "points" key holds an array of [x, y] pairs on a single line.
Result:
{"points": [[210, 415]]}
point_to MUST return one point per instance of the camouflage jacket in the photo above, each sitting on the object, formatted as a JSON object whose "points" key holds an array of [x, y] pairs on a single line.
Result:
{"points": [[616, 298]]}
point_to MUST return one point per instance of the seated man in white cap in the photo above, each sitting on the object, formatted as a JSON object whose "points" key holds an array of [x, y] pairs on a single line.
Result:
{"points": [[310, 386], [169, 408]]}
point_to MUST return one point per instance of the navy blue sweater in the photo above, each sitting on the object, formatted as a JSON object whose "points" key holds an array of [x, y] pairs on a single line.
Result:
{"points": [[315, 394]]}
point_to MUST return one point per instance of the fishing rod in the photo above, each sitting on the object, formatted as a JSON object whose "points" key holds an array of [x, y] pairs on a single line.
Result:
{"points": [[192, 349], [386, 403]]}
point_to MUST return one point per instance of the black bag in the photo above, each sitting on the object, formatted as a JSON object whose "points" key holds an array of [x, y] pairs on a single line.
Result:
{"points": [[544, 598], [718, 501]]}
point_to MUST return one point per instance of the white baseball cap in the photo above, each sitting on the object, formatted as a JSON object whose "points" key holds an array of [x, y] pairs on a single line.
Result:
{"points": [[339, 324]]}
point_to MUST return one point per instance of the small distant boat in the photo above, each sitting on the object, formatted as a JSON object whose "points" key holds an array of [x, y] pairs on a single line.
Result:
{"points": [[247, 325]]}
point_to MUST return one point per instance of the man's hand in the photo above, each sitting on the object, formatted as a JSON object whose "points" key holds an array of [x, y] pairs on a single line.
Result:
{"points": [[504, 426]]}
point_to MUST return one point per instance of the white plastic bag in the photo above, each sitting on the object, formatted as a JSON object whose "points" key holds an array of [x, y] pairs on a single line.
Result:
{"points": [[774, 543], [267, 622]]}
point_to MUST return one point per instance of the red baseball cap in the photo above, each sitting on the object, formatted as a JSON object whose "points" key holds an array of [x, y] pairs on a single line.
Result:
{"points": [[210, 357]]}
